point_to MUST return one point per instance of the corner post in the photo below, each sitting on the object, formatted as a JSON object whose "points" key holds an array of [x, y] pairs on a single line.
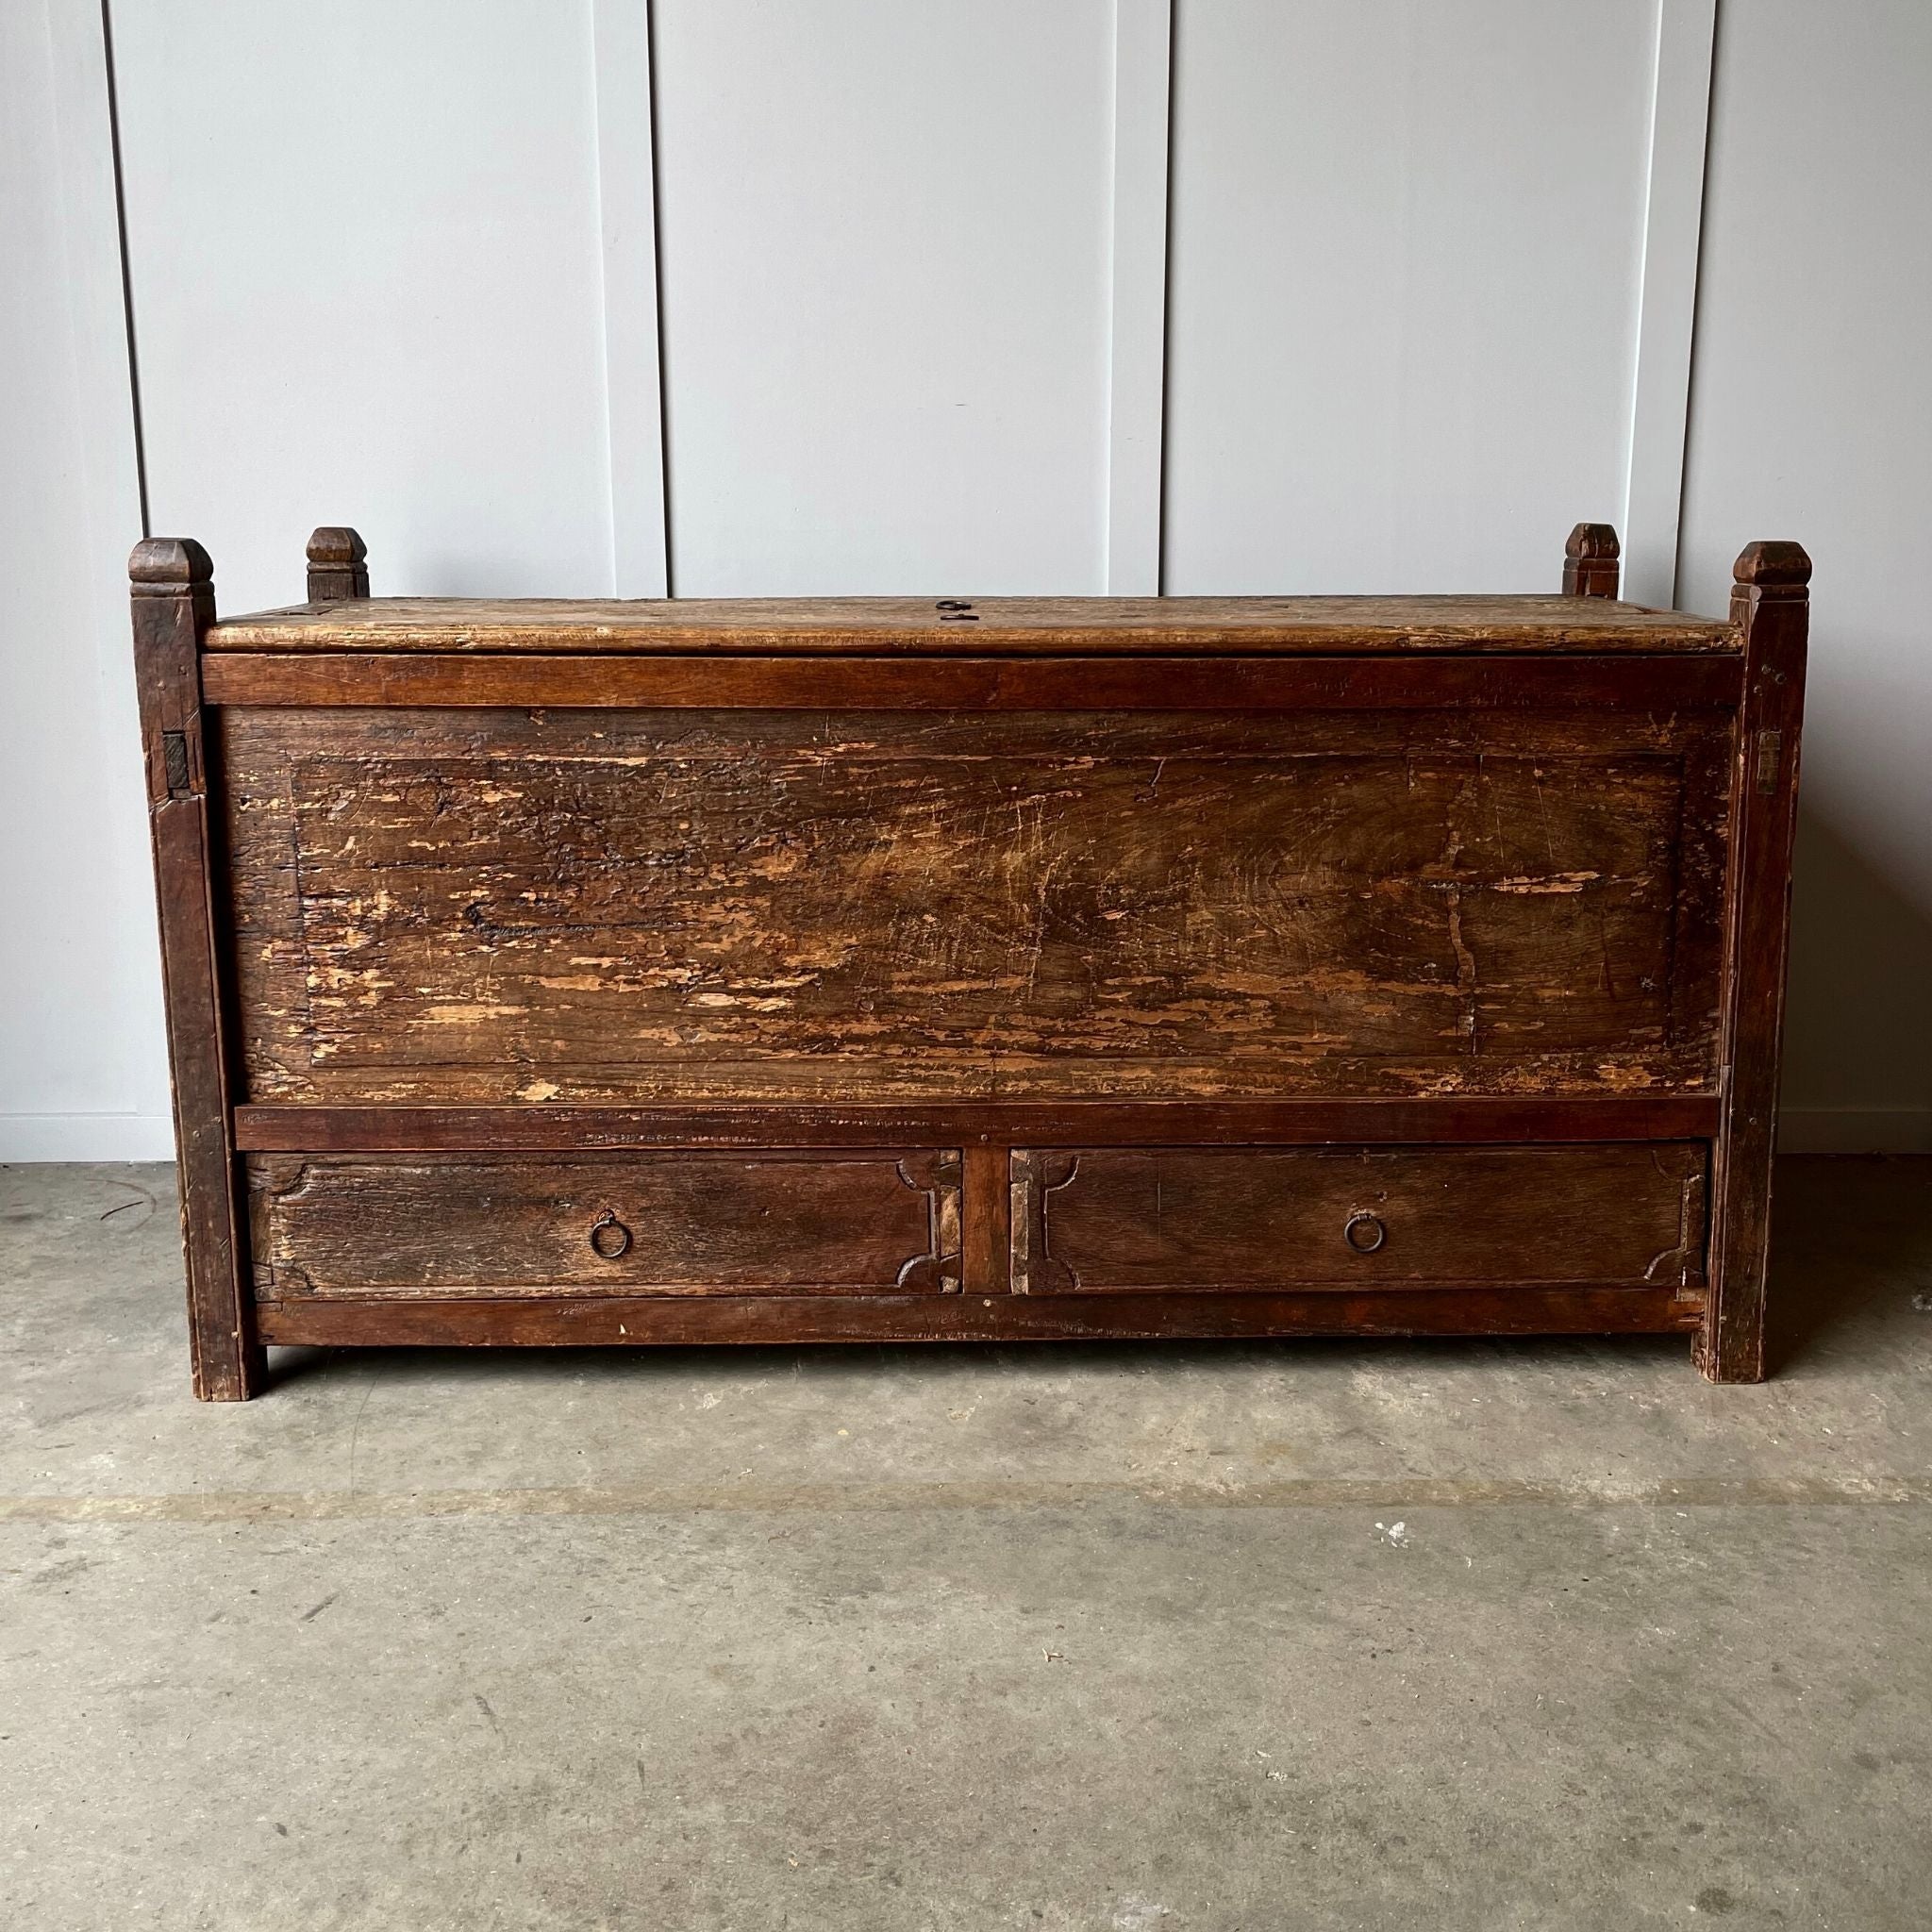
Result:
{"points": [[1590, 566], [171, 585], [1770, 599], [338, 565]]}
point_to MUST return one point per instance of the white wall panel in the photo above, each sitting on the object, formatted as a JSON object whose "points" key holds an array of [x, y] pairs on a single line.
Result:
{"points": [[1812, 418], [1404, 253], [83, 1074], [366, 268], [884, 280]]}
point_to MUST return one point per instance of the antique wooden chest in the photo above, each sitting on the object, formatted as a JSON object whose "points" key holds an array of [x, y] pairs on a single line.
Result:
{"points": [[970, 968]]}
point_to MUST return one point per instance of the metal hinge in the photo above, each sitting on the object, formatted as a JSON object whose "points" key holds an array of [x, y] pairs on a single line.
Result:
{"points": [[1771, 751]]}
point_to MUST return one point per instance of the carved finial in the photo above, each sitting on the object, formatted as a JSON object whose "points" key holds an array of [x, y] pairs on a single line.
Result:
{"points": [[1764, 565], [1594, 540], [1589, 562], [337, 568], [170, 563]]}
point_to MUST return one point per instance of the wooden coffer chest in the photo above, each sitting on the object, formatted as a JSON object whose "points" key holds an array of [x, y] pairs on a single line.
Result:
{"points": [[890, 969]]}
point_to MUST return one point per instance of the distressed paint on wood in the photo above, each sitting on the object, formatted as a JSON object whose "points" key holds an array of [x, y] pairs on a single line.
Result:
{"points": [[634, 907], [1161, 1219], [659, 1224]]}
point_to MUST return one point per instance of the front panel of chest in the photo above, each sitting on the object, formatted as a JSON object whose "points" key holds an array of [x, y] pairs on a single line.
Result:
{"points": [[497, 906]]}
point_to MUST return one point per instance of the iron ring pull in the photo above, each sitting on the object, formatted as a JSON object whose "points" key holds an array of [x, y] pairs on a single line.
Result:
{"points": [[609, 1237], [1365, 1232]]}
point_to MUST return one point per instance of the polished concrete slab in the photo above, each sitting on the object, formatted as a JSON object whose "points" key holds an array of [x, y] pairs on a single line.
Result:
{"points": [[1509, 1635]]}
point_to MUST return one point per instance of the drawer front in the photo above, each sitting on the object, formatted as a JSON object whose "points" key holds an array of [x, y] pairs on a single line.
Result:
{"points": [[1160, 1219], [622, 1225]]}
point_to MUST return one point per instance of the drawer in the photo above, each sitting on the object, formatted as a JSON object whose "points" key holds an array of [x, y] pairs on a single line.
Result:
{"points": [[1162, 1219], [674, 1223]]}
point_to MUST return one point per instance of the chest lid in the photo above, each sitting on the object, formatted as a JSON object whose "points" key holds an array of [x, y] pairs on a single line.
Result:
{"points": [[980, 626]]}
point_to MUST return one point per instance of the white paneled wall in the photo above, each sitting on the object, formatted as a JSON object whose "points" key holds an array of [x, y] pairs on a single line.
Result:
{"points": [[1424, 219], [364, 251], [840, 295], [1812, 418], [83, 1071], [884, 290]]}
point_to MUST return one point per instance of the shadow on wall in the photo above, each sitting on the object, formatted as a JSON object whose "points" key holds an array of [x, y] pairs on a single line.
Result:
{"points": [[1860, 999]]}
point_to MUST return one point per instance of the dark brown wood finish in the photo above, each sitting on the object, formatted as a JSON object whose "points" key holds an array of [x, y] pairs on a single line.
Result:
{"points": [[1221, 1220], [1590, 562], [573, 1323], [997, 1124], [1771, 600], [338, 565], [855, 970], [171, 586], [610, 1225], [985, 1237], [1648, 683]]}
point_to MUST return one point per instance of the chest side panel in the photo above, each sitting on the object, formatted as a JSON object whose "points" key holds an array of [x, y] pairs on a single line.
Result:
{"points": [[443, 906]]}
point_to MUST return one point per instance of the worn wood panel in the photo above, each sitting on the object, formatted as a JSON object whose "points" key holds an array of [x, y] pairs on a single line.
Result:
{"points": [[637, 907], [667, 1224], [1106, 626], [580, 1321], [1222, 1218]]}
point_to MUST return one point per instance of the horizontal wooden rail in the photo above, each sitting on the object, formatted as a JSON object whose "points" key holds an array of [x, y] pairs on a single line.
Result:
{"points": [[951, 684], [555, 1322], [274, 1129]]}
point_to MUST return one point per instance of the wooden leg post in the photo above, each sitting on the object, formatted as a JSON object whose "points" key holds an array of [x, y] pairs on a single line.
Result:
{"points": [[1770, 599], [1591, 568], [338, 565], [172, 590]]}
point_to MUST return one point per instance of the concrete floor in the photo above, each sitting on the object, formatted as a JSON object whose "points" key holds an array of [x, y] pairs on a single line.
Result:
{"points": [[1546, 1635]]}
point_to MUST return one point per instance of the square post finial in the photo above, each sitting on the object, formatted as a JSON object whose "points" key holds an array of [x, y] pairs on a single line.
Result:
{"points": [[338, 565], [1590, 566]]}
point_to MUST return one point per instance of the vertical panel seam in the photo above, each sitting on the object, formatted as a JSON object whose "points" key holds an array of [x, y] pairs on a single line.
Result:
{"points": [[624, 89], [1139, 200], [113, 104], [1674, 174]]}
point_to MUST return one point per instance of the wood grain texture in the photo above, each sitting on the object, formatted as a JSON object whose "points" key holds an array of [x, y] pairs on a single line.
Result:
{"points": [[673, 1320], [1771, 602], [173, 595], [976, 684], [1223, 1219], [986, 626], [435, 908], [663, 1223], [987, 1125], [984, 1240]]}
